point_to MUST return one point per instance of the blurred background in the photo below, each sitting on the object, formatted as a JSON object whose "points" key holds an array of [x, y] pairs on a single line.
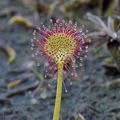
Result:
{"points": [[28, 93]]}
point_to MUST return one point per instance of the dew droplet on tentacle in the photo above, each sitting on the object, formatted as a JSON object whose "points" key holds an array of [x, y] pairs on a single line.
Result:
{"points": [[71, 83], [65, 87], [86, 31], [70, 22], [34, 32], [45, 76], [80, 64]]}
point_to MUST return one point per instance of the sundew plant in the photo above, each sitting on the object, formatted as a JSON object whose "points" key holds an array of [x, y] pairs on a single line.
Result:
{"points": [[58, 44]]}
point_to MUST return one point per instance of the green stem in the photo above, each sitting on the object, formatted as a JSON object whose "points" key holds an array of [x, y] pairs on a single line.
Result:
{"points": [[58, 92]]}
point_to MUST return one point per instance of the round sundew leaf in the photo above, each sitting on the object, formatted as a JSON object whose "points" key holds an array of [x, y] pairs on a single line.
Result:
{"points": [[60, 42]]}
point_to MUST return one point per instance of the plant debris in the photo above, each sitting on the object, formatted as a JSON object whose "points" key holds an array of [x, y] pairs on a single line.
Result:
{"points": [[9, 52]]}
